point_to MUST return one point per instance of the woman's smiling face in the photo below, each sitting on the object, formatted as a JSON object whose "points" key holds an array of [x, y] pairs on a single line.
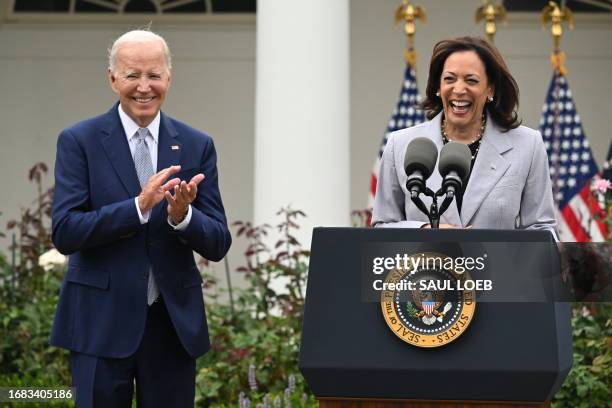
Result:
{"points": [[464, 88]]}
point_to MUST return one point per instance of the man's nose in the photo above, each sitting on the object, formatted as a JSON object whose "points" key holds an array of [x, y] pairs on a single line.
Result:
{"points": [[144, 84]]}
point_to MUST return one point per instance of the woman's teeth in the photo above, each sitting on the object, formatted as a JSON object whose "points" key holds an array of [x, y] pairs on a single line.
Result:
{"points": [[460, 106]]}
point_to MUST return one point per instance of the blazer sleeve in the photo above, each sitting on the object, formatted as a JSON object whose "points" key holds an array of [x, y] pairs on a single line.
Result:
{"points": [[389, 202], [207, 232], [75, 225], [537, 206]]}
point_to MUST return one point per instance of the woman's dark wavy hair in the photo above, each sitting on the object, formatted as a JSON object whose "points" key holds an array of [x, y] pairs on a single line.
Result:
{"points": [[503, 108]]}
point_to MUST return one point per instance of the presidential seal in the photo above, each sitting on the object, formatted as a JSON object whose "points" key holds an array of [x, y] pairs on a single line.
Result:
{"points": [[425, 303]]}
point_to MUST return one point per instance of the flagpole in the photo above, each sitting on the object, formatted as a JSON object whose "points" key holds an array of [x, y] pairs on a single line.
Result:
{"points": [[490, 13], [555, 15], [572, 166], [407, 111], [556, 138], [409, 13]]}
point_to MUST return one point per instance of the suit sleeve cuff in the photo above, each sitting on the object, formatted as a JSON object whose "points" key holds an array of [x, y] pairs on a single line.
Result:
{"points": [[181, 226], [144, 218]]}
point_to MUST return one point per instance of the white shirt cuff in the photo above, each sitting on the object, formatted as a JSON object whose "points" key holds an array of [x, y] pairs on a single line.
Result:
{"points": [[144, 218], [181, 226]]}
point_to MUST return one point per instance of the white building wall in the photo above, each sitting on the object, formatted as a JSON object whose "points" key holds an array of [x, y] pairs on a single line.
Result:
{"points": [[53, 74], [377, 69]]}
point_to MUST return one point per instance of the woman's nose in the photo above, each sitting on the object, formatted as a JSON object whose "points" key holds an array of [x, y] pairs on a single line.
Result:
{"points": [[459, 87]]}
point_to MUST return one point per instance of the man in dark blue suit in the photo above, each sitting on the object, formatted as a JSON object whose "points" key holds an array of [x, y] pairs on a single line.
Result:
{"points": [[131, 306]]}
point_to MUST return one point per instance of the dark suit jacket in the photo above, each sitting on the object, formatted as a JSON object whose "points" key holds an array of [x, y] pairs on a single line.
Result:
{"points": [[103, 301]]}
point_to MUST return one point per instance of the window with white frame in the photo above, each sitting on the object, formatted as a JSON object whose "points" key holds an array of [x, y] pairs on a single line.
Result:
{"points": [[173, 7], [577, 6]]}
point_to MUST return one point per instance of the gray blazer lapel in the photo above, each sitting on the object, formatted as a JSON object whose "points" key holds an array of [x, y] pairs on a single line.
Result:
{"points": [[489, 167]]}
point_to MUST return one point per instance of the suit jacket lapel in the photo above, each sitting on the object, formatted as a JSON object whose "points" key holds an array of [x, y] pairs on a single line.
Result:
{"points": [[489, 167], [168, 153], [169, 147], [117, 149]]}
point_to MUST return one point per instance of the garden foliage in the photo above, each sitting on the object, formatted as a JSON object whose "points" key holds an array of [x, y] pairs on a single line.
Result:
{"points": [[255, 338]]}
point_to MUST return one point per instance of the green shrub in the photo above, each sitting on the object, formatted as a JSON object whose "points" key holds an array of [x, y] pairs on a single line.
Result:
{"points": [[39, 379], [257, 333], [589, 383], [25, 326]]}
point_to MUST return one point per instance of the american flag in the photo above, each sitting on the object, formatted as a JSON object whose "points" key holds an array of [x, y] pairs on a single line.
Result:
{"points": [[405, 114], [572, 168]]}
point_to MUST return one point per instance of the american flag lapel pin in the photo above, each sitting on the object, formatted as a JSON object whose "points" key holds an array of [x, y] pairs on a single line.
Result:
{"points": [[174, 147]]}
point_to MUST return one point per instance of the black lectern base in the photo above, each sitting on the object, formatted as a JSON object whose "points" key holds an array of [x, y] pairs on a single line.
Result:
{"points": [[403, 403], [518, 353]]}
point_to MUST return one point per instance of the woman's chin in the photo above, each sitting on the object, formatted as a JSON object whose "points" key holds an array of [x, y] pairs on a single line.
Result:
{"points": [[460, 119]]}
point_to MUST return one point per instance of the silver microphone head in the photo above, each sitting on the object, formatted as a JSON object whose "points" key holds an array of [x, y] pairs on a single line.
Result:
{"points": [[421, 154], [455, 156]]}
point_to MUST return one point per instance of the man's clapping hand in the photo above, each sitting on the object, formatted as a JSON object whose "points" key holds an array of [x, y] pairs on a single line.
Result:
{"points": [[155, 188], [184, 194]]}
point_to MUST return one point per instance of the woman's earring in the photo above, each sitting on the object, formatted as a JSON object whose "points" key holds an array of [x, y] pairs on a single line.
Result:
{"points": [[490, 98], [438, 94]]}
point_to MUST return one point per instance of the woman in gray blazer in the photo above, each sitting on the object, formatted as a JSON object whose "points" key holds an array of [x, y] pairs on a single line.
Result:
{"points": [[472, 98]]}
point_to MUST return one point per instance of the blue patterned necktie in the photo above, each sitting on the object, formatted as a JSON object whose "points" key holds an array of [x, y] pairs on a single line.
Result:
{"points": [[144, 169]]}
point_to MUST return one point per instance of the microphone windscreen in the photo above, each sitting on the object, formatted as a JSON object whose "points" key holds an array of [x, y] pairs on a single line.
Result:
{"points": [[455, 156], [421, 154]]}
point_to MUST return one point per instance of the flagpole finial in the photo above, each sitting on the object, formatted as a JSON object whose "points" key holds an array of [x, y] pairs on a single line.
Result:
{"points": [[408, 13], [556, 15], [490, 13]]}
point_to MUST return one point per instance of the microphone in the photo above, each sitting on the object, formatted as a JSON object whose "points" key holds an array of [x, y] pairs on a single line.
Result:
{"points": [[419, 162], [454, 167]]}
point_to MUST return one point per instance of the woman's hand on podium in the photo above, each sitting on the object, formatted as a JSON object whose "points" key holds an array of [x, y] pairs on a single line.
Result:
{"points": [[445, 226]]}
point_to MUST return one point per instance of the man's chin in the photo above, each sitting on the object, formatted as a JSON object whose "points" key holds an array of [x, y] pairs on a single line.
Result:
{"points": [[144, 115], [141, 119]]}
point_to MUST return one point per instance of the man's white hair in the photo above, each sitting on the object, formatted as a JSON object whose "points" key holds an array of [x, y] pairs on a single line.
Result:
{"points": [[137, 36]]}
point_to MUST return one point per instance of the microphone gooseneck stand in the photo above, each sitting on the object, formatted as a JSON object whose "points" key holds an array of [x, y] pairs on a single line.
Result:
{"points": [[434, 212]]}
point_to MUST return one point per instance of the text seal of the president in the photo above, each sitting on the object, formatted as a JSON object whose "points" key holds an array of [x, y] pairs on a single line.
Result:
{"points": [[428, 305]]}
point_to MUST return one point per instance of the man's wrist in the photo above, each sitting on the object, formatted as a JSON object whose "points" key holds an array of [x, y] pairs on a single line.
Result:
{"points": [[181, 226], [141, 205], [142, 215], [177, 220]]}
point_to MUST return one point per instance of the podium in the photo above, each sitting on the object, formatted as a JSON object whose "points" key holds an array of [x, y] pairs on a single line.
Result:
{"points": [[512, 353]]}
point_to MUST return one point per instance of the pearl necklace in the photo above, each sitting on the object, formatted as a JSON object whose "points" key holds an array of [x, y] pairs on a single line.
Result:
{"points": [[474, 145]]}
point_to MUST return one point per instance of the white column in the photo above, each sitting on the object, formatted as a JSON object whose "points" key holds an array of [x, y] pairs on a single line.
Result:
{"points": [[302, 112]]}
